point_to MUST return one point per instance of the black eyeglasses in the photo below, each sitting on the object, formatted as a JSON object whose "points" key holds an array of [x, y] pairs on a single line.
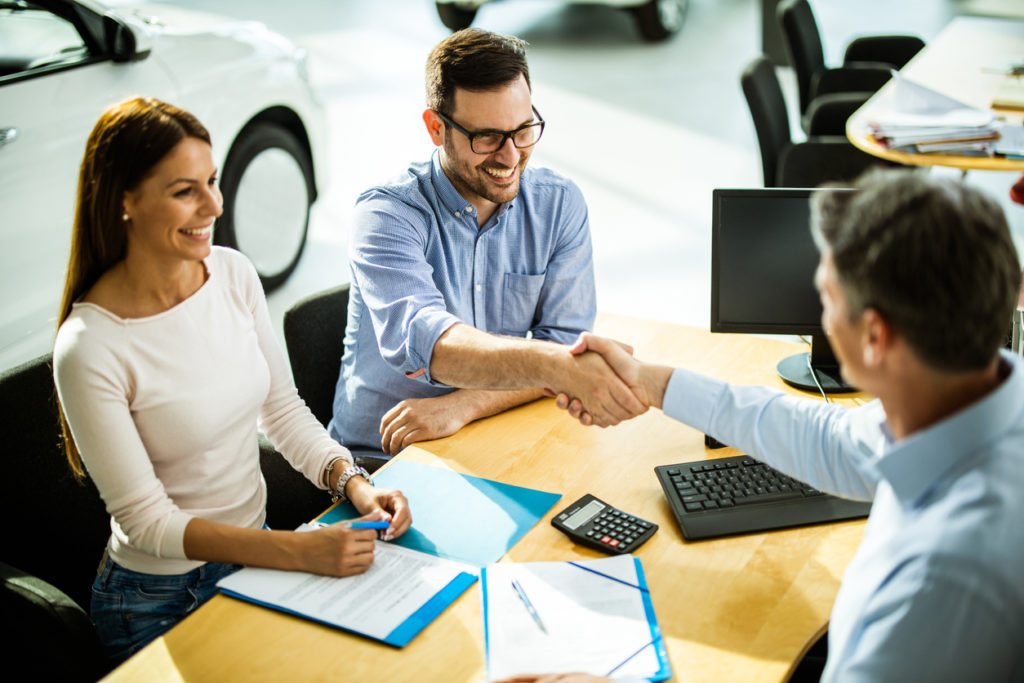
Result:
{"points": [[490, 141]]}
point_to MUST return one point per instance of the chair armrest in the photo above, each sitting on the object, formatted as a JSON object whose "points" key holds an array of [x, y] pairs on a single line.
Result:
{"points": [[865, 77], [893, 50], [52, 636], [291, 498]]}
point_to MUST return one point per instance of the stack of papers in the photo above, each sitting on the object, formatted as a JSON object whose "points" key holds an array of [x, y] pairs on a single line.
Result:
{"points": [[913, 118]]}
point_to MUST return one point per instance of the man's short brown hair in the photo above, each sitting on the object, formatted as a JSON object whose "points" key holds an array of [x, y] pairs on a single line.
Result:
{"points": [[933, 256], [474, 60]]}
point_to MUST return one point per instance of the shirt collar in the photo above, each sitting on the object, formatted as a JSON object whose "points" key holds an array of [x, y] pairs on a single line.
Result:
{"points": [[913, 465], [454, 202]]}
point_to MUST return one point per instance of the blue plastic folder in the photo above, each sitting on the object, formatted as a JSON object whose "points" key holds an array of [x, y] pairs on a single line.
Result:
{"points": [[463, 522], [594, 616], [457, 516]]}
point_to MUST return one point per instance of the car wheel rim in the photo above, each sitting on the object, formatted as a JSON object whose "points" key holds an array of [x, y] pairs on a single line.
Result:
{"points": [[670, 12], [271, 210]]}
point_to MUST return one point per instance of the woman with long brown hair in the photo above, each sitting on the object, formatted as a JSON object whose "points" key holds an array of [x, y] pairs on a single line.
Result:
{"points": [[163, 361]]}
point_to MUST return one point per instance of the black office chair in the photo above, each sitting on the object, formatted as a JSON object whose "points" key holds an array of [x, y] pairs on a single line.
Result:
{"points": [[314, 332], [52, 540], [785, 163], [866, 63]]}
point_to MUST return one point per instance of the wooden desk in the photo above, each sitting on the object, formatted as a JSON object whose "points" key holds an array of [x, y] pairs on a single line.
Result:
{"points": [[951, 64], [742, 608]]}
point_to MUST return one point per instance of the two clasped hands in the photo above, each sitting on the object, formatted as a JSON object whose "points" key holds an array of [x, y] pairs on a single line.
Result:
{"points": [[624, 388]]}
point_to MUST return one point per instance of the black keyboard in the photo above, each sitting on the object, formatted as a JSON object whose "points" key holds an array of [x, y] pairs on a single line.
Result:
{"points": [[738, 495]]}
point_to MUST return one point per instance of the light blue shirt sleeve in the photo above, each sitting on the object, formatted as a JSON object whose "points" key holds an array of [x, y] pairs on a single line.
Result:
{"points": [[812, 441], [407, 311]]}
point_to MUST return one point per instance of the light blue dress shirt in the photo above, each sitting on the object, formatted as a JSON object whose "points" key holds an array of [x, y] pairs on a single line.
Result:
{"points": [[936, 589], [420, 264]]}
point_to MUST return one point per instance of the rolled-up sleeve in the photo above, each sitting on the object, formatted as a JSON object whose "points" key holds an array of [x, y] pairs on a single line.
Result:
{"points": [[406, 309]]}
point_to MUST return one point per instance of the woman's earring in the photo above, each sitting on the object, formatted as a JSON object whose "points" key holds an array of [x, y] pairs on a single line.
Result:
{"points": [[125, 217]]}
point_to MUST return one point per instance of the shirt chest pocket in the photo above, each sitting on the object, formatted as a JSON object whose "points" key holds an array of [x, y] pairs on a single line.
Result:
{"points": [[519, 298]]}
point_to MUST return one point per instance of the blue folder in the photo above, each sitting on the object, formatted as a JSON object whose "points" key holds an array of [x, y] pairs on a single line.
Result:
{"points": [[657, 642], [458, 516]]}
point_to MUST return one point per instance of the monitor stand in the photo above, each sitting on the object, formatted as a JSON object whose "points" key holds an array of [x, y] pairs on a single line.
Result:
{"points": [[794, 369]]}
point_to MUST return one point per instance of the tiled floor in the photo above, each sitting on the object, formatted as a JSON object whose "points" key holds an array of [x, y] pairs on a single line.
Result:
{"points": [[646, 130]]}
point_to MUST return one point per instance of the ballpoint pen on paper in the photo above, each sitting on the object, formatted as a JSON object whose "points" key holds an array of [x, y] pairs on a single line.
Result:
{"points": [[529, 605]]}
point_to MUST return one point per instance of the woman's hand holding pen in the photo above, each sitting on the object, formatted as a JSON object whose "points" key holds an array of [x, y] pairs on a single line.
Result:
{"points": [[341, 550], [338, 549]]}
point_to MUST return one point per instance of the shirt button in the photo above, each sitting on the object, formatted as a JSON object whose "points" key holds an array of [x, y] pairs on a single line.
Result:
{"points": [[458, 214], [479, 288], [468, 209]]}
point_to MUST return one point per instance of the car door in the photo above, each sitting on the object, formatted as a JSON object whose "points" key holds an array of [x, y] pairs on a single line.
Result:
{"points": [[54, 86]]}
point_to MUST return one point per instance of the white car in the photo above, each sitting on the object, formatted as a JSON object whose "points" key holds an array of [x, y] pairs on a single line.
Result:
{"points": [[656, 19], [63, 62]]}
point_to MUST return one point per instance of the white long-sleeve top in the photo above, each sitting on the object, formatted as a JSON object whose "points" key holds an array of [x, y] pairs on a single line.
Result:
{"points": [[164, 412]]}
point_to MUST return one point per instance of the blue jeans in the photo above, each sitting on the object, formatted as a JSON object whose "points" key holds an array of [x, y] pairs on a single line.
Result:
{"points": [[130, 609]]}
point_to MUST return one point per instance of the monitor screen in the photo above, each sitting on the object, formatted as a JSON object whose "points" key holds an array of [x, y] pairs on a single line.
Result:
{"points": [[763, 259]]}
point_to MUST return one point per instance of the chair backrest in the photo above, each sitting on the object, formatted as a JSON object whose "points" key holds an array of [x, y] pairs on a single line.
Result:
{"points": [[803, 44], [314, 332], [54, 527], [768, 109]]}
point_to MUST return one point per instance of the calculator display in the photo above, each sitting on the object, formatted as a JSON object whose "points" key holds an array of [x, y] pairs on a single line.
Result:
{"points": [[584, 514]]}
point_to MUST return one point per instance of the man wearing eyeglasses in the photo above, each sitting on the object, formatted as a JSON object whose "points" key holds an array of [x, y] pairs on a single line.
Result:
{"points": [[471, 270]]}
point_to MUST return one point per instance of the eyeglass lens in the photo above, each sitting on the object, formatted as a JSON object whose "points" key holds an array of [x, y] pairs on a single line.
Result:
{"points": [[483, 143]]}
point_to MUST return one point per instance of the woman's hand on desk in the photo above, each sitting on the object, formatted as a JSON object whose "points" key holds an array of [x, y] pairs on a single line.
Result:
{"points": [[387, 504]]}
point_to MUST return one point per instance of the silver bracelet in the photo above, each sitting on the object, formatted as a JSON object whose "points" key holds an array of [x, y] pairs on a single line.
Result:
{"points": [[330, 468], [338, 494]]}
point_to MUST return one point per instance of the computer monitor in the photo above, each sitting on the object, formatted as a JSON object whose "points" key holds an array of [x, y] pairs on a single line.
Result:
{"points": [[763, 259]]}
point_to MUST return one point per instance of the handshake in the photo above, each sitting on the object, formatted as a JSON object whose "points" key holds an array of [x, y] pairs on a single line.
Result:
{"points": [[605, 385]]}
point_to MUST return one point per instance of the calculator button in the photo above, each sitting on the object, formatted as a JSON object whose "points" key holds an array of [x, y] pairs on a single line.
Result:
{"points": [[605, 539], [614, 543]]}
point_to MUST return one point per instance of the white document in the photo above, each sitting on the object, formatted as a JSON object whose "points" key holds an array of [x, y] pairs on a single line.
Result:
{"points": [[594, 623], [375, 603], [910, 104]]}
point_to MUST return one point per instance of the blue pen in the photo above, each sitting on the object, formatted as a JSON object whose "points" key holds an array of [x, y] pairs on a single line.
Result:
{"points": [[529, 605], [376, 524]]}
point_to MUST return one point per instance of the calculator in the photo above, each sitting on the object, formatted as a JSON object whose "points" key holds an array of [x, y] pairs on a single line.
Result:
{"points": [[596, 524]]}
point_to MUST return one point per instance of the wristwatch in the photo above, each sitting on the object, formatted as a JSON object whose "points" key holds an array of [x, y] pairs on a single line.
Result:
{"points": [[353, 470]]}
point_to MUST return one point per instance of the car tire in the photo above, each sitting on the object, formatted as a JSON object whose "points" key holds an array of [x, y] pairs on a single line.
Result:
{"points": [[268, 189], [659, 19], [454, 16]]}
